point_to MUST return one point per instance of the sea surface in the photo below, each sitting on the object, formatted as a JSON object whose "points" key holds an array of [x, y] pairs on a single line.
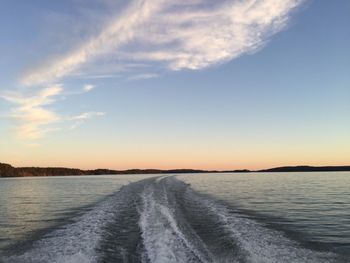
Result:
{"points": [[232, 217]]}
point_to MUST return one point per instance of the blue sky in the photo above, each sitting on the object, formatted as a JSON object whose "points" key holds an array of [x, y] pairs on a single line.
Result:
{"points": [[248, 84]]}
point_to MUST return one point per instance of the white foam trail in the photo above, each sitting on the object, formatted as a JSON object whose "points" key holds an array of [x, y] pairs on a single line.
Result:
{"points": [[163, 239], [167, 237], [259, 244], [75, 242]]}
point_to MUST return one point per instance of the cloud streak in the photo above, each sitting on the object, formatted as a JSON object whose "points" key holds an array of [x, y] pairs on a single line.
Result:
{"points": [[198, 37], [117, 33], [34, 117], [191, 35], [31, 113], [81, 118], [88, 87], [144, 76], [158, 35]]}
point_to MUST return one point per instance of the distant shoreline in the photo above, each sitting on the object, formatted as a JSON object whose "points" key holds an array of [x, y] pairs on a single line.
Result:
{"points": [[7, 170]]}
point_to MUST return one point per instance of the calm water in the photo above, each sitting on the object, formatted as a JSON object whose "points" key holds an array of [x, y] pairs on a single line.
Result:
{"points": [[271, 217]]}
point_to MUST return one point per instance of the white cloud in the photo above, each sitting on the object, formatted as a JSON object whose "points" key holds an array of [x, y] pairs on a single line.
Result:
{"points": [[87, 115], [144, 76], [100, 76], [156, 34], [81, 118], [179, 35], [88, 87], [33, 117], [196, 38], [117, 33]]}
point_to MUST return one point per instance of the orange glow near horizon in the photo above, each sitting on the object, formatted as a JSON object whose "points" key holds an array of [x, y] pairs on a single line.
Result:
{"points": [[208, 162], [182, 153]]}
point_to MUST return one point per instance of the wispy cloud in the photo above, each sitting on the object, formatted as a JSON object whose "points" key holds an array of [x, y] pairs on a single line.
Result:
{"points": [[100, 76], [144, 76], [34, 117], [88, 87], [161, 34], [87, 115], [31, 113], [191, 35], [81, 118], [119, 31], [200, 36]]}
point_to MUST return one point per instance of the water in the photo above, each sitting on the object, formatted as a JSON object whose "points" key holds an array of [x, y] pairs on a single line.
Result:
{"points": [[270, 217]]}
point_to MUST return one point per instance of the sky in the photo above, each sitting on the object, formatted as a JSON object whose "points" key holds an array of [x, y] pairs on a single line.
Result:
{"points": [[202, 84]]}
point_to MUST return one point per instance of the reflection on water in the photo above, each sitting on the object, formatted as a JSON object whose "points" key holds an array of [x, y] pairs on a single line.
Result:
{"points": [[30, 204], [316, 204], [162, 219], [24, 206], [310, 208]]}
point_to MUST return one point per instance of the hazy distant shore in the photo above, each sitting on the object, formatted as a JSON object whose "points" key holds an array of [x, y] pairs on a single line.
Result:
{"points": [[7, 170]]}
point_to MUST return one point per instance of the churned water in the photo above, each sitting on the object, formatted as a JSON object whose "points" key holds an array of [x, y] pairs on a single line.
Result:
{"points": [[265, 217]]}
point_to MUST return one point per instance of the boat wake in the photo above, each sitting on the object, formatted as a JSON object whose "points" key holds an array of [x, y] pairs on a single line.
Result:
{"points": [[163, 220]]}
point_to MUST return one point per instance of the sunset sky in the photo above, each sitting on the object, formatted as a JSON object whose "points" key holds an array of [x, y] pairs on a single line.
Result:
{"points": [[174, 84]]}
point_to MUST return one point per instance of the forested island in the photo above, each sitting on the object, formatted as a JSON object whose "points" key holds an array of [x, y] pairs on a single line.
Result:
{"points": [[7, 170]]}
